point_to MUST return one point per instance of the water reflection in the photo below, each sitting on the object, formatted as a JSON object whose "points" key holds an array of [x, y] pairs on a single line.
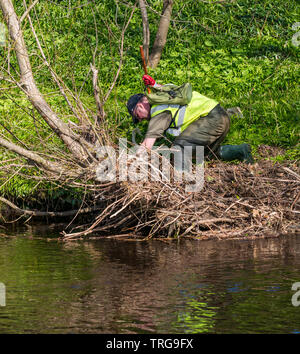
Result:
{"points": [[110, 286]]}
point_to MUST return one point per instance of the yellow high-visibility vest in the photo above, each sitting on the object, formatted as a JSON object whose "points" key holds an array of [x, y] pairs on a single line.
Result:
{"points": [[199, 106]]}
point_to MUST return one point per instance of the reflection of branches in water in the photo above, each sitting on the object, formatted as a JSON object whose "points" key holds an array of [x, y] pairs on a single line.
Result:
{"points": [[149, 286]]}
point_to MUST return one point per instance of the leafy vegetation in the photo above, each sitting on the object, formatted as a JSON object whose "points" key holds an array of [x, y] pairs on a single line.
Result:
{"points": [[238, 52]]}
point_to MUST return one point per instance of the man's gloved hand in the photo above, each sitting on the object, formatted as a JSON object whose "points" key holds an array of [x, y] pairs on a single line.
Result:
{"points": [[148, 80]]}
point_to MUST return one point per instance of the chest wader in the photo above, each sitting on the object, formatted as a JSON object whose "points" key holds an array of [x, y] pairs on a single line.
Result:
{"points": [[202, 123], [183, 117], [210, 131]]}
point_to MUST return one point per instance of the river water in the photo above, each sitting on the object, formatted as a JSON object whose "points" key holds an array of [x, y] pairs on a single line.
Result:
{"points": [[114, 286]]}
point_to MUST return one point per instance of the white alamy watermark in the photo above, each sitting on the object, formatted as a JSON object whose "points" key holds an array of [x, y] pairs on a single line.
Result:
{"points": [[162, 163], [295, 38], [2, 295], [296, 296]]}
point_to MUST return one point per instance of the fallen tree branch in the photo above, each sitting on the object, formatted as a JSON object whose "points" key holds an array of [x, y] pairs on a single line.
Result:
{"points": [[293, 173], [48, 213], [32, 156]]}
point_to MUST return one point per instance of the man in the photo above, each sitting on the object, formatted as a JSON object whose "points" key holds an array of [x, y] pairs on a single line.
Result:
{"points": [[203, 122]]}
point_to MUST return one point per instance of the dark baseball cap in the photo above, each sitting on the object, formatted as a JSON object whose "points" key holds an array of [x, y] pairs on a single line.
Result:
{"points": [[131, 103]]}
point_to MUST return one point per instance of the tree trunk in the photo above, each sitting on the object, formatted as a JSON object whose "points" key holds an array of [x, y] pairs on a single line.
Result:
{"points": [[27, 83], [146, 31], [162, 32]]}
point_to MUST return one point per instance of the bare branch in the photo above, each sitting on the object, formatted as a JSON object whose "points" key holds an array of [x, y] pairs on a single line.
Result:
{"points": [[28, 10], [121, 55], [53, 74], [48, 213], [32, 156]]}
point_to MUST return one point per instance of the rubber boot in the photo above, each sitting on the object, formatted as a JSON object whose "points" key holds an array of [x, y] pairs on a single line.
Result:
{"points": [[236, 152]]}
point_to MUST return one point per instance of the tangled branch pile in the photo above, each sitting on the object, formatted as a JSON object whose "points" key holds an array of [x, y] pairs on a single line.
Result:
{"points": [[236, 201]]}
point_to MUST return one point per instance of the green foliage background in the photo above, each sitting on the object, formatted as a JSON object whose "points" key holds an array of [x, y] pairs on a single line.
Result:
{"points": [[238, 52]]}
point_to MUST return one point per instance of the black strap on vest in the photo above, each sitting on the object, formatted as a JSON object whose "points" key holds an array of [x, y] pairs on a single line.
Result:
{"points": [[173, 120]]}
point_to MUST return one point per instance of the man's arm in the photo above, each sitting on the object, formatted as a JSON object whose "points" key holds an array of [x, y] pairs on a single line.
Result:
{"points": [[157, 126], [148, 143]]}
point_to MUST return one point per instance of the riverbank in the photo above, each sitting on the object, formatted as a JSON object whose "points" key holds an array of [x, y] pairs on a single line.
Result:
{"points": [[242, 55]]}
